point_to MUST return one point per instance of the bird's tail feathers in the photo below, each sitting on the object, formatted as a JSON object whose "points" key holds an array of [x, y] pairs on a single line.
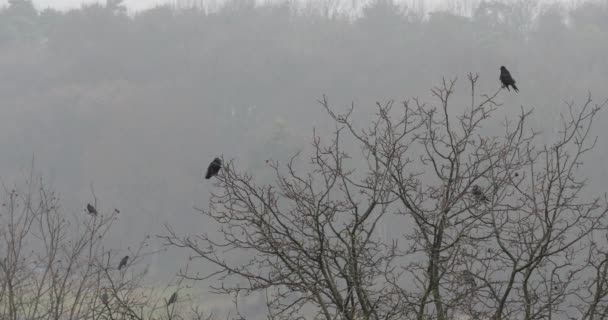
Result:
{"points": [[515, 88]]}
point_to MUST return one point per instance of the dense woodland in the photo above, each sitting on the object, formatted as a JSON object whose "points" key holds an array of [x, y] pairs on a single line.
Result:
{"points": [[138, 104]]}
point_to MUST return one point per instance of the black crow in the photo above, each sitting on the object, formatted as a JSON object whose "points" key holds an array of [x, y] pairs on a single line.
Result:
{"points": [[214, 168], [123, 262], [173, 299], [469, 278], [478, 194], [91, 209], [506, 79]]}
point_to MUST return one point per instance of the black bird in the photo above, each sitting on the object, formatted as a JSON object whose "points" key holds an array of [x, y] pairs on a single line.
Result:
{"points": [[506, 79], [123, 262], [478, 194], [104, 298], [469, 278], [214, 168], [91, 209], [173, 299]]}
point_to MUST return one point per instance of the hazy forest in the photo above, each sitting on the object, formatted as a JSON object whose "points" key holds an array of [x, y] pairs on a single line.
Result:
{"points": [[351, 143]]}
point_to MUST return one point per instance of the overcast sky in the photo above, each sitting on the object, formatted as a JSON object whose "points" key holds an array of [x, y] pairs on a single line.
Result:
{"points": [[426, 5], [69, 4], [135, 5]]}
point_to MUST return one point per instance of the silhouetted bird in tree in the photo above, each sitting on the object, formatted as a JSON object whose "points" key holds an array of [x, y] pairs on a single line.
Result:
{"points": [[478, 194], [123, 262], [91, 209], [469, 278], [214, 168], [173, 299], [506, 79]]}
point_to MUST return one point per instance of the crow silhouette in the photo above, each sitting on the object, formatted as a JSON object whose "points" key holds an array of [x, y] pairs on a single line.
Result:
{"points": [[91, 209], [173, 299], [214, 168], [123, 262], [478, 194], [506, 79], [469, 278]]}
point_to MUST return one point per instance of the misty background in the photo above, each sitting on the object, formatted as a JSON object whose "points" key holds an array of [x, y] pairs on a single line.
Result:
{"points": [[134, 105]]}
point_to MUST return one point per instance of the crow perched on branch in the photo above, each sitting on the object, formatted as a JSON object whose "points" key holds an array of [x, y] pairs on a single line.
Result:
{"points": [[478, 194], [123, 262], [506, 79], [173, 299], [91, 210], [469, 278], [214, 168]]}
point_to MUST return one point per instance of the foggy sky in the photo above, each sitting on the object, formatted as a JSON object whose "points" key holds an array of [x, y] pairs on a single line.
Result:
{"points": [[138, 5], [138, 107]]}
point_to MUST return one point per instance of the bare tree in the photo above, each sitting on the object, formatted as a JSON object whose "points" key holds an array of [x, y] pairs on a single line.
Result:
{"points": [[493, 224], [54, 265]]}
